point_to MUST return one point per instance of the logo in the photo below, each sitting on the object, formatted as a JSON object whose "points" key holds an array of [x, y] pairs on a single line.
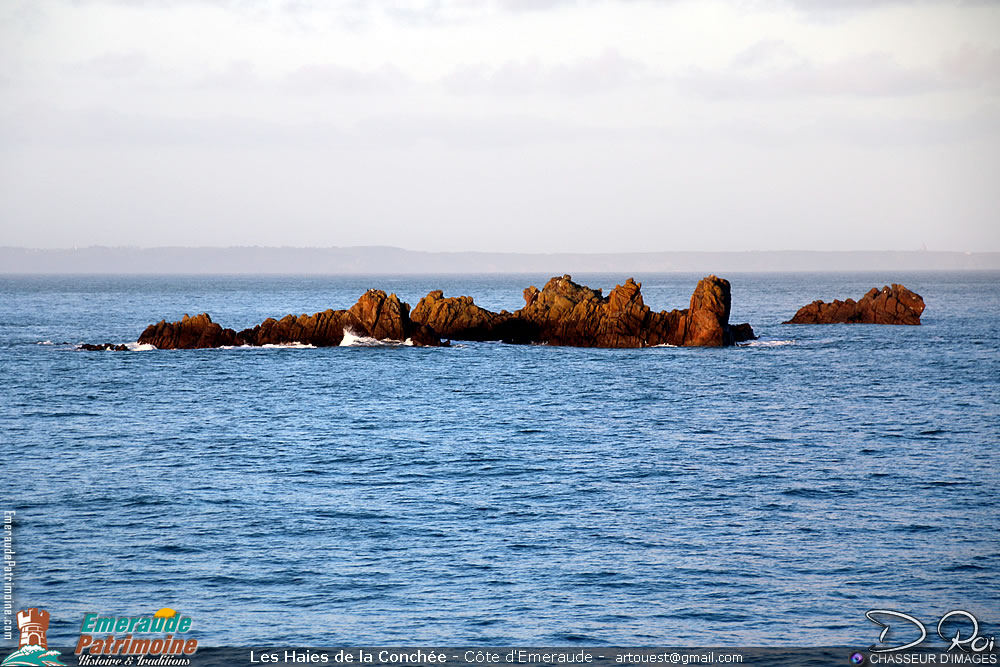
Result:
{"points": [[958, 627], [857, 658], [33, 648], [142, 640]]}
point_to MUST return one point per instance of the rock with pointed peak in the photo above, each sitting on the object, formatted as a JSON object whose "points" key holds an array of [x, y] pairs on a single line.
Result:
{"points": [[564, 312]]}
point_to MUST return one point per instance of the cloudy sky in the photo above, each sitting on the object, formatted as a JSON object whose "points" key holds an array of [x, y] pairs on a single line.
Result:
{"points": [[512, 125]]}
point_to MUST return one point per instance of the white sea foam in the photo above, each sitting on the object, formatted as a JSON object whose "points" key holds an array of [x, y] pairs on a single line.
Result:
{"points": [[351, 339], [132, 347], [44, 342], [768, 343], [288, 346]]}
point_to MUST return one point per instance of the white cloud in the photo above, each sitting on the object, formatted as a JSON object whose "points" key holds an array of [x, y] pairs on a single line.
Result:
{"points": [[563, 115]]}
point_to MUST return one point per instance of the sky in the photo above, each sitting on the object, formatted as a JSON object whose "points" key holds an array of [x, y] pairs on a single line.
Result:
{"points": [[501, 125]]}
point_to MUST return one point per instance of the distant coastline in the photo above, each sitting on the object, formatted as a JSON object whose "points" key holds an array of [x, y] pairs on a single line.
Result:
{"points": [[387, 259]]}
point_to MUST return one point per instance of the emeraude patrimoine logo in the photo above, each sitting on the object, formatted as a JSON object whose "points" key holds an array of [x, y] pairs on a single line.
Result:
{"points": [[33, 648], [128, 635]]}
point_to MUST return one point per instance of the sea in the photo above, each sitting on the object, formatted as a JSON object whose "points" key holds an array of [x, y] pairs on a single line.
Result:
{"points": [[489, 494]]}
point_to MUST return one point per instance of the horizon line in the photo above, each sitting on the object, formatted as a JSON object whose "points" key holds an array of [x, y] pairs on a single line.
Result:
{"points": [[380, 259], [484, 252]]}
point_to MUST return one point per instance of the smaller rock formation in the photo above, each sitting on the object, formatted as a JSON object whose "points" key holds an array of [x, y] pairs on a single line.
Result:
{"points": [[91, 347], [890, 305], [376, 315], [188, 334]]}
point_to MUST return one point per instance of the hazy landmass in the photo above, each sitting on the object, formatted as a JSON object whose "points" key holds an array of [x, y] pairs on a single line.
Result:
{"points": [[385, 259]]}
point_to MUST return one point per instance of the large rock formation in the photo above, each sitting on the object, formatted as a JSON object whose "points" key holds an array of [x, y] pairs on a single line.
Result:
{"points": [[566, 313], [375, 315], [561, 313], [890, 305]]}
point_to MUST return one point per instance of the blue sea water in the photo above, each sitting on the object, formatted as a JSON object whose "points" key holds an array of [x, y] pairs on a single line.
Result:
{"points": [[493, 494]]}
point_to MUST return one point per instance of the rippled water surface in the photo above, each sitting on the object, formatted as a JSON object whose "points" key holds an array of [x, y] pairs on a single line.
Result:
{"points": [[494, 494]]}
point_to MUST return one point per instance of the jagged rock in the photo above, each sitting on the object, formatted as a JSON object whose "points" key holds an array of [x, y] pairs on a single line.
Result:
{"points": [[383, 316], [458, 317], [189, 333], [890, 305], [566, 313], [705, 322], [322, 329], [103, 346], [375, 315], [561, 313], [742, 332]]}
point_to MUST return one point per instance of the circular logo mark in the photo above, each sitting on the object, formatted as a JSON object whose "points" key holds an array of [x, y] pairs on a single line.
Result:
{"points": [[857, 658]]}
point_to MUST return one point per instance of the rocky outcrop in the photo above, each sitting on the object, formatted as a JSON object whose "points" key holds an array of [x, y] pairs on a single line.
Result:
{"points": [[561, 313], [187, 334], [566, 313], [458, 317], [705, 323], [388, 318], [890, 305], [375, 315], [91, 347]]}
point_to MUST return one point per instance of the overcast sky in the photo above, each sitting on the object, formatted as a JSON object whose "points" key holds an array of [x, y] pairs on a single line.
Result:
{"points": [[511, 125]]}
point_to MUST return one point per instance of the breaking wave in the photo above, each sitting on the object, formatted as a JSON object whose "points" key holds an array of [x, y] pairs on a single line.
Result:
{"points": [[351, 339], [132, 346], [767, 343]]}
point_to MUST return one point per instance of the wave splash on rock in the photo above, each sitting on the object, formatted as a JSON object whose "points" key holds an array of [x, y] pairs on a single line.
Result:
{"points": [[376, 315]]}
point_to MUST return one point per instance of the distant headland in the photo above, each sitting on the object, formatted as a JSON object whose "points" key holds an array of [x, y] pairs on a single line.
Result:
{"points": [[374, 260]]}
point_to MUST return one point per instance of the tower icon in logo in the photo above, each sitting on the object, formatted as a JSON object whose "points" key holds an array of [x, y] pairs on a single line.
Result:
{"points": [[33, 648], [33, 624]]}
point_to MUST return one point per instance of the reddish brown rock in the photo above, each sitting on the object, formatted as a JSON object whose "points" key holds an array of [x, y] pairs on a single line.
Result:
{"points": [[561, 313], [383, 317], [189, 333], [890, 305], [375, 315], [566, 313], [704, 323], [458, 317], [324, 329]]}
